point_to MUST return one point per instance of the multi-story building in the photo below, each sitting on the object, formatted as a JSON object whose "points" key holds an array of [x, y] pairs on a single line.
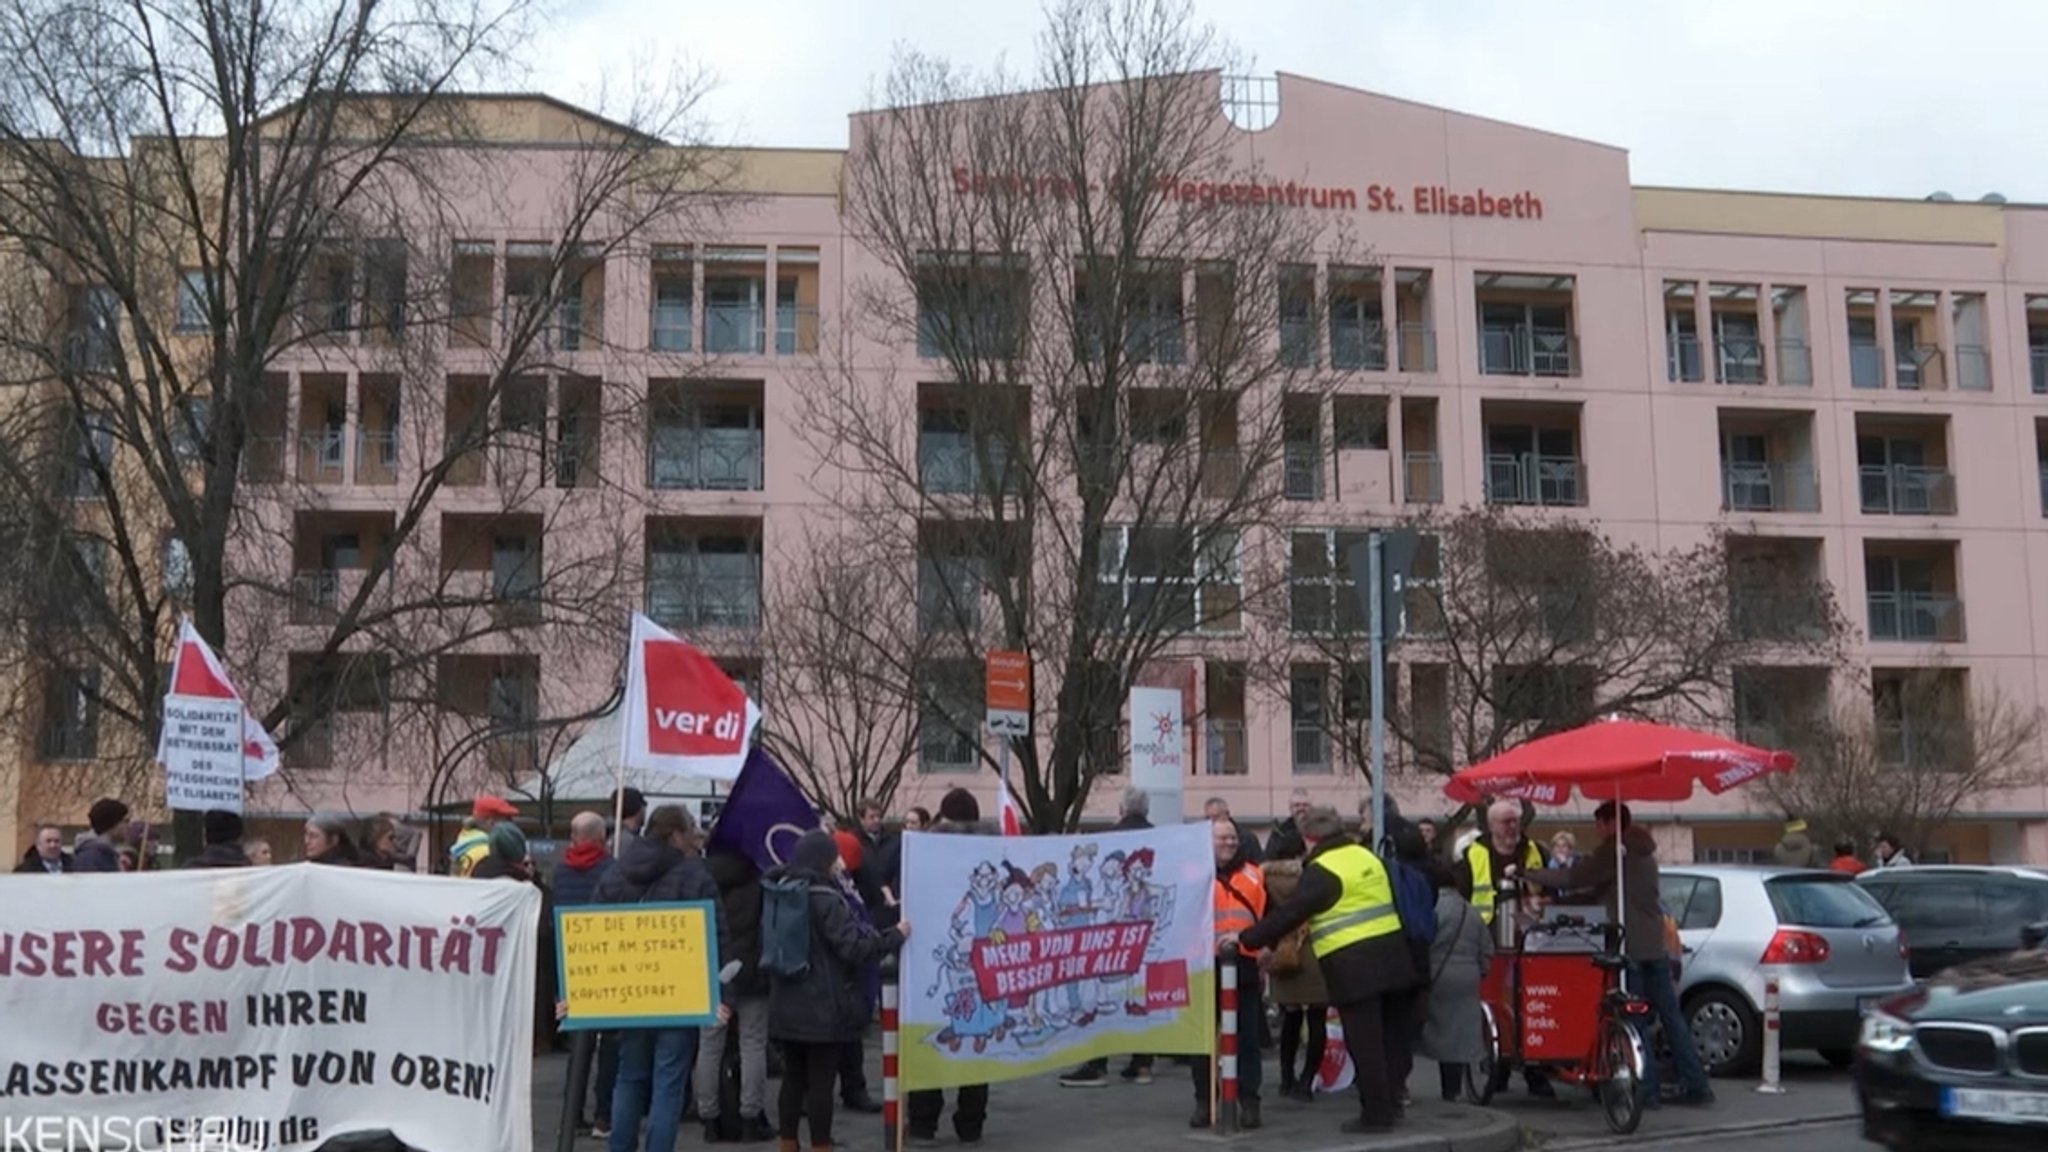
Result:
{"points": [[1858, 384]]}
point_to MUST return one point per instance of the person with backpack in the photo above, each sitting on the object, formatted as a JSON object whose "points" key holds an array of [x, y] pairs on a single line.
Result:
{"points": [[813, 952], [657, 867]]}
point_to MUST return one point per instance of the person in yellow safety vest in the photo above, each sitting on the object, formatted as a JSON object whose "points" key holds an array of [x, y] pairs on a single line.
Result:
{"points": [[1346, 898], [1239, 896], [474, 844], [1502, 852]]}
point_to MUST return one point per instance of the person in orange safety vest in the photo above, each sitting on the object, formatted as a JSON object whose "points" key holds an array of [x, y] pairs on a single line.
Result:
{"points": [[1240, 901]]}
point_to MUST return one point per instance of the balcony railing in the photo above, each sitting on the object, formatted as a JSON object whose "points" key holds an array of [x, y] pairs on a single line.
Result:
{"points": [[671, 328], [734, 329], [1973, 368], [1418, 347], [376, 455], [1358, 346], [2044, 489], [990, 334], [1760, 611], [316, 596], [1422, 478], [1920, 366], [320, 456], [1866, 364], [2037, 368], [1303, 468], [1682, 362], [1535, 479], [1777, 486], [1514, 350], [1738, 360], [1311, 750], [1924, 617], [1795, 362], [1225, 750], [1905, 490], [1298, 341], [705, 460], [705, 602], [951, 465], [796, 330]]}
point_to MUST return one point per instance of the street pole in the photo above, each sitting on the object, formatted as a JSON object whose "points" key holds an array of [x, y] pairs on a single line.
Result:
{"points": [[1378, 631]]}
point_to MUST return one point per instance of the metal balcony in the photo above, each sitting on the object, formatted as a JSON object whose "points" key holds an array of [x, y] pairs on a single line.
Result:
{"points": [[1866, 364], [376, 455], [2037, 368], [1536, 480], [1738, 360], [1920, 367], [1906, 490], [671, 326], [315, 596], [1973, 368], [1422, 478], [1303, 472], [1753, 486], [705, 602], [1311, 750], [1225, 752], [1795, 362], [320, 456], [1358, 346], [1682, 362], [953, 465], [705, 459], [1514, 350], [796, 330], [1298, 342], [1916, 617], [1418, 347], [734, 329]]}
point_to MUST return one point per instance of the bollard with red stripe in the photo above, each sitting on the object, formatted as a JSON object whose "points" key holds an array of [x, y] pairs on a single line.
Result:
{"points": [[891, 1106], [1226, 1040], [1772, 1085]]}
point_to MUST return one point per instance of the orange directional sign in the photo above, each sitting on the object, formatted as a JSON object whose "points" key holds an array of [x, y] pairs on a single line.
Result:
{"points": [[1006, 689]]}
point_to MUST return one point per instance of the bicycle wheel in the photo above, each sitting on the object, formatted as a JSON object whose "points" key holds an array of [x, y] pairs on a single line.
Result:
{"points": [[1481, 1082], [1619, 1065]]}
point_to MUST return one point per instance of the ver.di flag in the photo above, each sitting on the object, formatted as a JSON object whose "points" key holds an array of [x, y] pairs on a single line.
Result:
{"points": [[209, 745], [683, 715], [1037, 952]]}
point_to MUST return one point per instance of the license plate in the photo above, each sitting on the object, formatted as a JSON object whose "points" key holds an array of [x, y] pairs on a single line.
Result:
{"points": [[1987, 1104]]}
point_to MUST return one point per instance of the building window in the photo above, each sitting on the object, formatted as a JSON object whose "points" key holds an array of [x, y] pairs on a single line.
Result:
{"points": [[1322, 597], [711, 580], [194, 297], [71, 716], [948, 720], [1308, 706], [1162, 580]]}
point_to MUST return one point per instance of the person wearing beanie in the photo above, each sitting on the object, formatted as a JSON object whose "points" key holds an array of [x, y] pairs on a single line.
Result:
{"points": [[510, 858], [815, 1017], [329, 841], [959, 807], [474, 842], [1796, 849], [101, 850], [223, 835], [959, 815]]}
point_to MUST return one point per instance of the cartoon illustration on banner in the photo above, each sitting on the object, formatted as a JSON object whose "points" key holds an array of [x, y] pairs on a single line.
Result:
{"points": [[1055, 948]]}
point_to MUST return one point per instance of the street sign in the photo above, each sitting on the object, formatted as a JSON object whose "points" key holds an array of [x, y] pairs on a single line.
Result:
{"points": [[1398, 547], [1006, 692]]}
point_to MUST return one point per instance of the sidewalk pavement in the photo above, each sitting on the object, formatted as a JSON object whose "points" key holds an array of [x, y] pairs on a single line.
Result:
{"points": [[1031, 1115], [1814, 1094]]}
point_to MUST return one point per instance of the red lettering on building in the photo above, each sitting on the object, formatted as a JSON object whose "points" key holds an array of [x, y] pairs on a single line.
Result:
{"points": [[1423, 200]]}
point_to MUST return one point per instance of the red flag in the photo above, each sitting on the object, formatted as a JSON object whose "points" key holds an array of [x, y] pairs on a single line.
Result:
{"points": [[196, 672], [1011, 819]]}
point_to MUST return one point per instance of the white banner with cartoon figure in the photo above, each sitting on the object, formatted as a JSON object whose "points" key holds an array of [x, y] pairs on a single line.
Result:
{"points": [[1032, 953]]}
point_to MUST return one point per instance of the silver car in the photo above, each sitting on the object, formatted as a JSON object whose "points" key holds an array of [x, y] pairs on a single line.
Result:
{"points": [[1832, 947]]}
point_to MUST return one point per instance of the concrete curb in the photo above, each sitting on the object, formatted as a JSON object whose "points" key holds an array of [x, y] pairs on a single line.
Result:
{"points": [[1715, 1132], [1495, 1132]]}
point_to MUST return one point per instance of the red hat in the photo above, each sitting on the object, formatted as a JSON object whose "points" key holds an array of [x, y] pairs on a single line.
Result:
{"points": [[849, 849], [489, 807]]}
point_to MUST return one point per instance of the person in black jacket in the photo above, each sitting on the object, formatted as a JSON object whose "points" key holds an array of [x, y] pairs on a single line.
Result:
{"points": [[1285, 842], [222, 831], [576, 876], [739, 908], [655, 867], [1134, 813], [815, 1015], [959, 815], [101, 851], [45, 857]]}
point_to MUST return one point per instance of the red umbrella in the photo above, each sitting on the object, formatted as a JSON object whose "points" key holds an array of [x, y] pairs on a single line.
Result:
{"points": [[1616, 759]]}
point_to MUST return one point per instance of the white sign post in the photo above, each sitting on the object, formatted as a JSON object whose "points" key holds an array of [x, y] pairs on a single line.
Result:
{"points": [[1159, 758], [202, 753]]}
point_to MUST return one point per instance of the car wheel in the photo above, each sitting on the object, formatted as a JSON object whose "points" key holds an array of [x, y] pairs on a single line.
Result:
{"points": [[1841, 1058], [1726, 1030]]}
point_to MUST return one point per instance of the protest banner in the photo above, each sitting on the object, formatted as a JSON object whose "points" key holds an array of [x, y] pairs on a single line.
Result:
{"points": [[682, 714], [210, 745], [276, 1007], [1036, 952], [638, 965]]}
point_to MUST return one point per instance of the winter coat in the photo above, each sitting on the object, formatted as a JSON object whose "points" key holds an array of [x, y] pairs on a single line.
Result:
{"points": [[32, 864], [1796, 851], [828, 1004], [654, 872], [739, 906], [1373, 967], [1643, 920], [1458, 958], [577, 874], [220, 856], [1303, 986], [1285, 842], [96, 854]]}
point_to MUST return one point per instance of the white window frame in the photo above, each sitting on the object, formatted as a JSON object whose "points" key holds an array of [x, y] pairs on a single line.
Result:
{"points": [[1219, 560]]}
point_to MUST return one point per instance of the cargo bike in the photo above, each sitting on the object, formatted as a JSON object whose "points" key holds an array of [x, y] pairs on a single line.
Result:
{"points": [[1554, 998]]}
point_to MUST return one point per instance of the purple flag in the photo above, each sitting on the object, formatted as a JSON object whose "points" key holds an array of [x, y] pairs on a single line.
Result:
{"points": [[764, 815]]}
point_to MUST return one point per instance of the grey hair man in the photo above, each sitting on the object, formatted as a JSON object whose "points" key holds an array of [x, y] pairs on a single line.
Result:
{"points": [[1217, 808], [1135, 811]]}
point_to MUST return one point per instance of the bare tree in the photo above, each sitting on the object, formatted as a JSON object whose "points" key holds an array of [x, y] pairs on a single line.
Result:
{"points": [[201, 200], [1092, 275], [1516, 626], [1905, 758]]}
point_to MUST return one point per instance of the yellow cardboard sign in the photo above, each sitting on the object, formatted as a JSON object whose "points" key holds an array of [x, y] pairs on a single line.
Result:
{"points": [[638, 965]]}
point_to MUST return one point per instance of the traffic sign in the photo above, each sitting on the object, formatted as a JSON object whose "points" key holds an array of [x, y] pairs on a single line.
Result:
{"points": [[1006, 691]]}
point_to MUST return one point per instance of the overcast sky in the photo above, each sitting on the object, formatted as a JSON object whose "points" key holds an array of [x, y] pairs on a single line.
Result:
{"points": [[1870, 97]]}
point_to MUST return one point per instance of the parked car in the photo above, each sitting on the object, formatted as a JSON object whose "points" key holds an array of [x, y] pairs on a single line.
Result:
{"points": [[1962, 1062], [1831, 945], [1953, 914]]}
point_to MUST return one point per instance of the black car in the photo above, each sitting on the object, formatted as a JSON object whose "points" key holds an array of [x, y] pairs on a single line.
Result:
{"points": [[1960, 1063], [1955, 914]]}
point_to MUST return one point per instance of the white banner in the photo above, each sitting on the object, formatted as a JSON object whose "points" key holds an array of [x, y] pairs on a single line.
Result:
{"points": [[201, 749], [1035, 952], [254, 1009], [1159, 758]]}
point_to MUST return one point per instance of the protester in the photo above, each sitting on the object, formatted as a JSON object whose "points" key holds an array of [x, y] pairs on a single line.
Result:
{"points": [[1501, 854], [1414, 882], [1239, 899], [511, 858], [46, 856], [1846, 861], [1217, 808], [1452, 1029], [916, 820], [1134, 813], [874, 912], [1642, 932], [655, 867], [739, 907], [882, 848], [1297, 986], [100, 850], [1347, 900], [1891, 853], [816, 1012], [576, 878], [1795, 849], [473, 845], [222, 832], [258, 852], [390, 848], [1564, 849], [959, 815], [1428, 829], [1285, 842], [328, 841]]}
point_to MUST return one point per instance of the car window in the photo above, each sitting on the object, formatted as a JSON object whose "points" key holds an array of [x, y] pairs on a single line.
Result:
{"points": [[1936, 904], [2009, 904], [1704, 909], [1820, 902], [1673, 892]]}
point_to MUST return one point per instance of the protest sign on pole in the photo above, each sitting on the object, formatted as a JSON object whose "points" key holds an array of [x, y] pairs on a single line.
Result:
{"points": [[638, 965], [683, 715], [209, 745], [1035, 952], [275, 1008]]}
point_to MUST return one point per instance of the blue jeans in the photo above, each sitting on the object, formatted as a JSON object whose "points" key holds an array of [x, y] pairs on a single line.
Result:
{"points": [[654, 1063], [1653, 981]]}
